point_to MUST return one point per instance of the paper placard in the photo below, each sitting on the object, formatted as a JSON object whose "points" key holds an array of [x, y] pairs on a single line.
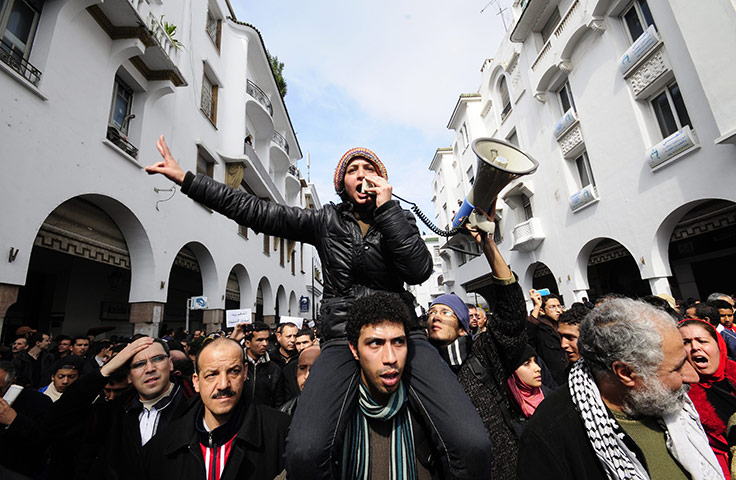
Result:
{"points": [[236, 317], [298, 321]]}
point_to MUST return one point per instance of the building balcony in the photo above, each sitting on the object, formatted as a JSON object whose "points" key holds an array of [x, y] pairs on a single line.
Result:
{"points": [[671, 148], [129, 19], [639, 49], [647, 69], [280, 140], [20, 65], [255, 91], [584, 198], [528, 235], [569, 135]]}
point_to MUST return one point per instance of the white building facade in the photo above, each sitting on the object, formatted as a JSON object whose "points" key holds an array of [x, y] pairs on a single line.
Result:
{"points": [[91, 240], [628, 108]]}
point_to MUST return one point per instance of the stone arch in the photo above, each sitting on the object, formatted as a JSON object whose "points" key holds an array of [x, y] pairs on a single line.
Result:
{"points": [[620, 274], [293, 305], [573, 42], [243, 285], [282, 305], [266, 295], [538, 275]]}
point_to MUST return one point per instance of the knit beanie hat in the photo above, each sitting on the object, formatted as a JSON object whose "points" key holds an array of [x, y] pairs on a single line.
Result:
{"points": [[349, 156], [525, 355], [457, 306]]}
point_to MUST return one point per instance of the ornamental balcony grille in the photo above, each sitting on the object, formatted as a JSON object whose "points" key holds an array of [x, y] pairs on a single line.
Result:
{"points": [[279, 139], [114, 135], [10, 57], [255, 91]]}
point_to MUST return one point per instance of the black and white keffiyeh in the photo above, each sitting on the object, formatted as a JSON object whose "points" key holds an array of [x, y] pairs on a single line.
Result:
{"points": [[685, 437]]}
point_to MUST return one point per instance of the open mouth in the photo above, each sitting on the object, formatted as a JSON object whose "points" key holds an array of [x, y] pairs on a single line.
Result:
{"points": [[151, 381], [700, 361], [390, 378]]}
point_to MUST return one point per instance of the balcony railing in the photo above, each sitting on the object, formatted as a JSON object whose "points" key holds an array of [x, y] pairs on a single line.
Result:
{"points": [[528, 235], [114, 135], [11, 58], [158, 32], [294, 171], [255, 91], [279, 139]]}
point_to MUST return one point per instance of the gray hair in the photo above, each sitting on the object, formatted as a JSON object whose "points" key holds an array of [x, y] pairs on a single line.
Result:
{"points": [[717, 296], [9, 370], [623, 330]]}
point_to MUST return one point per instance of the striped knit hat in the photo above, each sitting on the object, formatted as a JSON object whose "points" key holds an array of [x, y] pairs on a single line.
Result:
{"points": [[351, 154]]}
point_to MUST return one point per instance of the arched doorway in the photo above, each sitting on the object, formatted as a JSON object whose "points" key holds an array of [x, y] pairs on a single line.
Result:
{"points": [[79, 275], [542, 277], [702, 250], [612, 269]]}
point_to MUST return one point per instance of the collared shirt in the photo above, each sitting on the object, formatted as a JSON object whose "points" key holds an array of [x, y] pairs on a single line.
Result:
{"points": [[263, 359], [149, 416]]}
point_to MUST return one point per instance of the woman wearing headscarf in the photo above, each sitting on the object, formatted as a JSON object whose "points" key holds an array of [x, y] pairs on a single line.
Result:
{"points": [[714, 396], [525, 388]]}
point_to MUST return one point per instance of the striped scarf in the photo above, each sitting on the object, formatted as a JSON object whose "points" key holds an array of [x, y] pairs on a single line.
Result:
{"points": [[356, 462]]}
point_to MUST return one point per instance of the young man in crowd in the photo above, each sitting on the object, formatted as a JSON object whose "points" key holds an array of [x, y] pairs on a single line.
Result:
{"points": [[100, 354], [625, 413], [64, 372], [384, 438], [32, 366], [80, 345], [725, 313], [448, 326], [367, 243], [264, 384], [63, 346], [226, 431], [569, 329], [304, 339], [119, 428], [543, 336]]}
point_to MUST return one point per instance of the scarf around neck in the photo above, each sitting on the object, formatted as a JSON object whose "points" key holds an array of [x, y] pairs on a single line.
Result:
{"points": [[356, 463], [685, 438], [528, 398]]}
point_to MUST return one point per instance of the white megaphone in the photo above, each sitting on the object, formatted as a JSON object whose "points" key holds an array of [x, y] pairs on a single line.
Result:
{"points": [[499, 163]]}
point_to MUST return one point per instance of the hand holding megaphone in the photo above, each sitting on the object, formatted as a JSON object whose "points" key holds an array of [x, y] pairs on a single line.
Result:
{"points": [[378, 187]]}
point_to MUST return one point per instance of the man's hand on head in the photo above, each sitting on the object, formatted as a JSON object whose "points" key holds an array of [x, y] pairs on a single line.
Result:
{"points": [[126, 354]]}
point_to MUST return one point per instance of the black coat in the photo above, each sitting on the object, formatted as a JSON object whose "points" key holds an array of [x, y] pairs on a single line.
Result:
{"points": [[543, 336], [264, 384], [495, 352], [111, 445], [257, 452], [555, 444], [23, 364], [390, 254], [23, 444]]}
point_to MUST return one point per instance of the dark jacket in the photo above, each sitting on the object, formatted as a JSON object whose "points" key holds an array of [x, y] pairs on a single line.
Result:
{"points": [[264, 384], [543, 336], [390, 254], [555, 444], [23, 444], [24, 364], [484, 378], [257, 452], [111, 445]]}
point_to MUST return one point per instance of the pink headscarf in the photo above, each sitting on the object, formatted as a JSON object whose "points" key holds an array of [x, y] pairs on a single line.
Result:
{"points": [[528, 398]]}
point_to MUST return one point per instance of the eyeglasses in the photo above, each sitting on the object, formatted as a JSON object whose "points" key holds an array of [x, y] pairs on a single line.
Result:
{"points": [[155, 360], [555, 307], [441, 313]]}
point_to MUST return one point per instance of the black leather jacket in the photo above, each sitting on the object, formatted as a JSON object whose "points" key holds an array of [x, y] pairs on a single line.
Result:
{"points": [[390, 254]]}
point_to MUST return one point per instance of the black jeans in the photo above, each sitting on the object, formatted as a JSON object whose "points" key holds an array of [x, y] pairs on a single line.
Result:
{"points": [[329, 399]]}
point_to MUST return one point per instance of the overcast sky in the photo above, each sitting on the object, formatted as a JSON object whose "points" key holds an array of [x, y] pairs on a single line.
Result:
{"points": [[384, 75]]}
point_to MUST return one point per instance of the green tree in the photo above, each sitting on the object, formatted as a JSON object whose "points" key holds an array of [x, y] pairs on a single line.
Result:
{"points": [[278, 72]]}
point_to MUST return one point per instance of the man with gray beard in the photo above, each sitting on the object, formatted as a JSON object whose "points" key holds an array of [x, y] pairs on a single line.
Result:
{"points": [[624, 413]]}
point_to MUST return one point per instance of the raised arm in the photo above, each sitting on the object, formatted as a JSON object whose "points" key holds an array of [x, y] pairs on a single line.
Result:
{"points": [[271, 218]]}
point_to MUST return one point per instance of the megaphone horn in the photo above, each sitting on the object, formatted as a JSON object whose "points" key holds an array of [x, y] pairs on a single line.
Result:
{"points": [[499, 163]]}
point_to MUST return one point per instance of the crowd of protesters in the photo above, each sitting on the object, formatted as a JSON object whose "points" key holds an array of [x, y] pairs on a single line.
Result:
{"points": [[619, 389]]}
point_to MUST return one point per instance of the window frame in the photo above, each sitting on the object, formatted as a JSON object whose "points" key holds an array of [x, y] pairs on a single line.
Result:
{"points": [[585, 163], [546, 34], [119, 84], [505, 98], [641, 17], [213, 89], [5, 11], [210, 170], [673, 110], [567, 91], [213, 22]]}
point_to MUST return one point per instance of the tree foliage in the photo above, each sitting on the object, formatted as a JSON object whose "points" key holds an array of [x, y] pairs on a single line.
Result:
{"points": [[278, 72]]}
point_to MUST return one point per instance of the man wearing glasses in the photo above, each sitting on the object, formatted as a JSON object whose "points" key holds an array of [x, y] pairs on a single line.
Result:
{"points": [[120, 427], [542, 333]]}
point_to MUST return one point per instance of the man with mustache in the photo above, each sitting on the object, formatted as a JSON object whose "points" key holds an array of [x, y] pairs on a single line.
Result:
{"points": [[226, 435], [624, 412]]}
